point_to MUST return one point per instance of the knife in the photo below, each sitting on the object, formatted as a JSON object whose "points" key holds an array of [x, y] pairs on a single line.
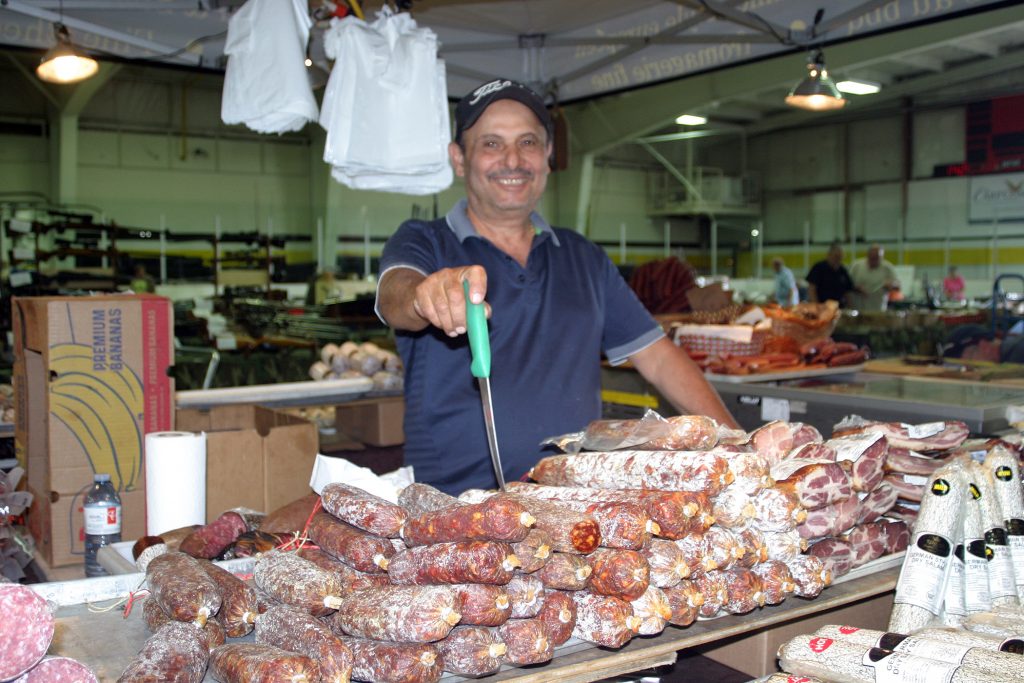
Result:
{"points": [[480, 346]]}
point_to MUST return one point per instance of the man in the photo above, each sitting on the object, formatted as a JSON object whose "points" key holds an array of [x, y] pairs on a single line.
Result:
{"points": [[786, 293], [829, 279], [873, 279], [555, 302]]}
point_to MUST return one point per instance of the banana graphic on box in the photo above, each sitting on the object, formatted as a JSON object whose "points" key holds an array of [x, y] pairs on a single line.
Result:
{"points": [[102, 409]]}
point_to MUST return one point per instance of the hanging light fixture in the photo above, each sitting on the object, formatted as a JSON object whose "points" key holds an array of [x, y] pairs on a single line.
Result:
{"points": [[817, 91], [63, 63]]}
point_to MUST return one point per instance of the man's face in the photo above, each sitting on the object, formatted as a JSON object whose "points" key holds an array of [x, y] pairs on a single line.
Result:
{"points": [[504, 160], [835, 256], [874, 257]]}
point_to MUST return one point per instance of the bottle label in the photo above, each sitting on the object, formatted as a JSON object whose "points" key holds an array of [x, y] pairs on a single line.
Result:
{"points": [[923, 578], [103, 519], [899, 667]]}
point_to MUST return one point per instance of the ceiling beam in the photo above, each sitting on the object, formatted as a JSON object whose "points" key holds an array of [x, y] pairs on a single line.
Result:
{"points": [[604, 41], [922, 61], [979, 47], [848, 16], [728, 12]]}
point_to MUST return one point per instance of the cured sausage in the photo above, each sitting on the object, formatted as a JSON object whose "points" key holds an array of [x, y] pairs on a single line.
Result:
{"points": [[182, 588], [685, 600], [603, 619], [363, 510], [776, 581], [558, 614], [526, 593], [713, 587], [350, 579], [374, 660], [471, 651], [527, 642], [745, 590], [177, 653], [155, 618], [209, 541], [700, 471], [405, 614], [784, 545], [621, 573], [668, 566], [692, 549], [26, 629], [1001, 581], [59, 670], [733, 507], [777, 510], [355, 547], [810, 575], [751, 542], [294, 581], [418, 498], [750, 470], [464, 562], [252, 663], [653, 610], [296, 631], [721, 546], [565, 571], [568, 531], [238, 608], [482, 604], [533, 551], [499, 518]]}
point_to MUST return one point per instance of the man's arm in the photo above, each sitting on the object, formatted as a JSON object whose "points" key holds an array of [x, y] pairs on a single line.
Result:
{"points": [[812, 292], [679, 380], [410, 300]]}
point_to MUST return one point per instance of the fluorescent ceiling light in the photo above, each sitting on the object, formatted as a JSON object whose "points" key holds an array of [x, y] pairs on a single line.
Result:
{"points": [[691, 120], [856, 86], [817, 91]]}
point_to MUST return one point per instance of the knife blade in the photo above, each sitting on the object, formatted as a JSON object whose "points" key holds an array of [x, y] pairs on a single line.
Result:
{"points": [[480, 347]]}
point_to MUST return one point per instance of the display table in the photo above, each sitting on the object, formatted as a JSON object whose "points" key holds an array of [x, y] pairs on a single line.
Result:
{"points": [[107, 642]]}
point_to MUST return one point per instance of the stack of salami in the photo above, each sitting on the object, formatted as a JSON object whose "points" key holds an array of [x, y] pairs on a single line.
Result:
{"points": [[351, 360]]}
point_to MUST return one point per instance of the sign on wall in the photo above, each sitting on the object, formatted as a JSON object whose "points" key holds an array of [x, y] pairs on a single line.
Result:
{"points": [[997, 197]]}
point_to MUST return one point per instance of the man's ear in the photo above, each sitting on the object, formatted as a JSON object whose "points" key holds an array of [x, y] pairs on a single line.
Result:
{"points": [[458, 159]]}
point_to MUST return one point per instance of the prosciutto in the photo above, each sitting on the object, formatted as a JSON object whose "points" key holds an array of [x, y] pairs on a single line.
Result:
{"points": [[863, 457], [830, 520], [877, 503], [814, 484], [927, 437]]}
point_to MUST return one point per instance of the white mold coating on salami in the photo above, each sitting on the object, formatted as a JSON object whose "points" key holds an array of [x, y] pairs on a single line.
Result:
{"points": [[526, 642], [653, 610], [604, 620], [776, 510], [701, 471], [668, 566], [750, 471], [375, 660], [252, 663], [784, 545], [59, 670], [179, 584], [526, 593], [559, 616], [408, 614], [26, 629], [177, 652], [294, 630], [733, 507], [294, 581], [810, 575], [463, 562], [471, 651]]}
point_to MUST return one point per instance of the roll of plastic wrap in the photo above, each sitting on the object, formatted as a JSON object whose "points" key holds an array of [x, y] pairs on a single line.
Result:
{"points": [[175, 480]]}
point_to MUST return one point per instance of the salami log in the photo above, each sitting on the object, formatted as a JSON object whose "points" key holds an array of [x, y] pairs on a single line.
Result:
{"points": [[59, 670], [558, 614], [685, 600], [809, 574], [603, 619], [777, 510], [653, 610], [482, 604], [721, 546], [733, 507], [692, 549], [471, 651], [404, 614], [784, 545], [1001, 581], [294, 581], [418, 498], [156, 618], [713, 587], [26, 629], [526, 642], [687, 433], [296, 631], [745, 590], [945, 645], [753, 545], [776, 581], [355, 547], [177, 653], [699, 471], [526, 593], [668, 566], [350, 579], [569, 531], [750, 470], [464, 562], [620, 573], [209, 541], [533, 551], [1004, 467], [290, 518], [374, 660], [499, 518], [565, 571], [363, 510], [252, 663], [238, 608], [178, 582]]}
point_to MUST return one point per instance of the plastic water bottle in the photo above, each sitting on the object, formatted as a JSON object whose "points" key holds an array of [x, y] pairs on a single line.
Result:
{"points": [[102, 521]]}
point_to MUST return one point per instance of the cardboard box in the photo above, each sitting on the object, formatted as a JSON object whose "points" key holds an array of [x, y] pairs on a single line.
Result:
{"points": [[755, 654], [91, 380], [255, 457], [376, 421]]}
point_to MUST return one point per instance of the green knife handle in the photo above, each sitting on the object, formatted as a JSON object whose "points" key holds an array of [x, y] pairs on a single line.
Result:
{"points": [[479, 338]]}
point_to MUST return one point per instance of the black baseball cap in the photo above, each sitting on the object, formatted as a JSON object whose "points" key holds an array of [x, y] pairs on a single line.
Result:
{"points": [[472, 105]]}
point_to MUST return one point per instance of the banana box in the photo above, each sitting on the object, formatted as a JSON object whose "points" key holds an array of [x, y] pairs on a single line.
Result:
{"points": [[91, 377]]}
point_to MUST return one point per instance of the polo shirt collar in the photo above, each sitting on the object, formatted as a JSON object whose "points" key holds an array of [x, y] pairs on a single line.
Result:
{"points": [[459, 223]]}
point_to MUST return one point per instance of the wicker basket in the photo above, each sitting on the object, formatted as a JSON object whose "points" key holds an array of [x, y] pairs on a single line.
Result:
{"points": [[804, 332], [719, 345]]}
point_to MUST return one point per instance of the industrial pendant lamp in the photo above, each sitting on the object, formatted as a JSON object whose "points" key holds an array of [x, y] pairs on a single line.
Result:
{"points": [[63, 63], [817, 91]]}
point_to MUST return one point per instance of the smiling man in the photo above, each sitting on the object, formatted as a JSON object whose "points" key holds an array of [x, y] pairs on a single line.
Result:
{"points": [[555, 300]]}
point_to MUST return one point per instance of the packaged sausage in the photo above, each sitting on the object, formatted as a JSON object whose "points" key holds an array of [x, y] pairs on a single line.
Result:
{"points": [[533, 551], [733, 507], [26, 629], [363, 510], [238, 608], [418, 498], [684, 600], [405, 614], [752, 543], [177, 652], [653, 610], [713, 587], [668, 566], [499, 518], [750, 470], [569, 531], [288, 578], [603, 619], [252, 663], [809, 574], [558, 614], [776, 510], [297, 631], [622, 573], [776, 581], [526, 592], [464, 562], [355, 547], [471, 651], [209, 541], [156, 618], [692, 549], [744, 589], [526, 642], [482, 604], [784, 545], [720, 545], [182, 588], [349, 578], [565, 571], [375, 660]]}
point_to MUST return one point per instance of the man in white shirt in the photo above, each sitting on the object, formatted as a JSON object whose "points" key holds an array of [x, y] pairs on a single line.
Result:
{"points": [[873, 278], [786, 292]]}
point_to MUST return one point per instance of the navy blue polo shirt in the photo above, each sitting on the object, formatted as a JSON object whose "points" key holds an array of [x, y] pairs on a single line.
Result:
{"points": [[550, 322]]}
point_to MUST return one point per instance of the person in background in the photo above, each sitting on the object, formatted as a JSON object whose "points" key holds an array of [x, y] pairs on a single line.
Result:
{"points": [[555, 300], [953, 285], [142, 282], [829, 279], [326, 286], [873, 280], [786, 293]]}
